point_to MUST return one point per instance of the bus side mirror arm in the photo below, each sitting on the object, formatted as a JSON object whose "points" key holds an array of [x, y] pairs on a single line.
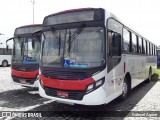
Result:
{"points": [[7, 47]]}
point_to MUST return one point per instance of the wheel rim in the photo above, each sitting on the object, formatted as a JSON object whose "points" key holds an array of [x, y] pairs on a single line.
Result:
{"points": [[125, 88], [4, 64]]}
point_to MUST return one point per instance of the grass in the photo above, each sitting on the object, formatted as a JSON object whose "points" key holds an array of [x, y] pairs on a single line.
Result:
{"points": [[156, 74]]}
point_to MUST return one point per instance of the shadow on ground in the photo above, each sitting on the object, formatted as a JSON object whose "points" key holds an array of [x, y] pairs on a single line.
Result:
{"points": [[20, 98]]}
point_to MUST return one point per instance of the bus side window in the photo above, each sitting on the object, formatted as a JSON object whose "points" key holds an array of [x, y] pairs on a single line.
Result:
{"points": [[126, 41], [140, 45], [114, 43], [1, 51], [134, 43]]}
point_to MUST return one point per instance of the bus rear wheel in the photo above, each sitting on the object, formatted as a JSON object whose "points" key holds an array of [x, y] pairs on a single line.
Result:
{"points": [[5, 63], [125, 90]]}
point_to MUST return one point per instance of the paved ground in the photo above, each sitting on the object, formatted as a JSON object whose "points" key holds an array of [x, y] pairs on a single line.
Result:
{"points": [[145, 97]]}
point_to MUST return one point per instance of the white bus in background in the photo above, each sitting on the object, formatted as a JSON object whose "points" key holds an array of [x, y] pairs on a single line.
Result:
{"points": [[90, 57], [5, 56]]}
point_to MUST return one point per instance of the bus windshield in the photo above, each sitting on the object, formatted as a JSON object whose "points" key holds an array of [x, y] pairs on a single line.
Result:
{"points": [[24, 52], [74, 48], [17, 56]]}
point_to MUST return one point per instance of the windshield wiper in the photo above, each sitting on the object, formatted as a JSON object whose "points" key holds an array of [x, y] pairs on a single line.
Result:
{"points": [[58, 38], [74, 35]]}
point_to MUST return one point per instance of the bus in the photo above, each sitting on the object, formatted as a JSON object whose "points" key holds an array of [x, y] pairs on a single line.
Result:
{"points": [[26, 55], [89, 57], [5, 56], [158, 57]]}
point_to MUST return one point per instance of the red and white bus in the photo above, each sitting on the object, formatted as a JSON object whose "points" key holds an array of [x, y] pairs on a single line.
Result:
{"points": [[26, 55], [89, 57]]}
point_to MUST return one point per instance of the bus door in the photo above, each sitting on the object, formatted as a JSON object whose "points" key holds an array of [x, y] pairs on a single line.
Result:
{"points": [[115, 68]]}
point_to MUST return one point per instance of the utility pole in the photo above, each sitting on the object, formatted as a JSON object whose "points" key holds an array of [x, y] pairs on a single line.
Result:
{"points": [[33, 2]]}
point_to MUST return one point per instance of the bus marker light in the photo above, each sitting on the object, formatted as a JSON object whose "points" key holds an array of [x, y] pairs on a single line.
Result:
{"points": [[98, 83]]}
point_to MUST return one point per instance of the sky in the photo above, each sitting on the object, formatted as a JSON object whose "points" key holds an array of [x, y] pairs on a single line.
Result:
{"points": [[141, 15]]}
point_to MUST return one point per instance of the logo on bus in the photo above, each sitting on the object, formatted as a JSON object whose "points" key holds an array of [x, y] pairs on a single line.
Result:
{"points": [[61, 84]]}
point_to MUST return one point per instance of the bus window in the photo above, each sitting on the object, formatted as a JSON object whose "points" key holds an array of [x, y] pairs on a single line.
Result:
{"points": [[134, 43], [1, 51], [126, 41], [9, 52], [150, 48], [155, 50], [144, 46], [114, 43], [140, 44]]}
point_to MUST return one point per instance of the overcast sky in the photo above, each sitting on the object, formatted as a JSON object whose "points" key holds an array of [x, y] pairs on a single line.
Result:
{"points": [[142, 15]]}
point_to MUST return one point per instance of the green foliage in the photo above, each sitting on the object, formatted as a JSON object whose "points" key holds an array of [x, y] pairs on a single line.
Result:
{"points": [[156, 74]]}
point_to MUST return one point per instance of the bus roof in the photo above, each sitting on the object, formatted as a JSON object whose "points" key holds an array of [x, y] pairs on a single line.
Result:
{"points": [[31, 25], [27, 29]]}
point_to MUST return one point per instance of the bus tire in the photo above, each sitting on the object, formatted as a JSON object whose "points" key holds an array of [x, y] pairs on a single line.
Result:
{"points": [[5, 63], [149, 75], [125, 90]]}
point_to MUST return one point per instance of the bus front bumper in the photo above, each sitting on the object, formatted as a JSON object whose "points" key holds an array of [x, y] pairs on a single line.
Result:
{"points": [[33, 82], [96, 97]]}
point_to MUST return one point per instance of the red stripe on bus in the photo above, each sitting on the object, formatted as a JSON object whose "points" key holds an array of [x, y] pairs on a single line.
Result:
{"points": [[66, 84], [23, 74]]}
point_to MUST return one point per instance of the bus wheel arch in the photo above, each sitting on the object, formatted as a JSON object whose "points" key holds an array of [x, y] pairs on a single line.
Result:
{"points": [[4, 63]]}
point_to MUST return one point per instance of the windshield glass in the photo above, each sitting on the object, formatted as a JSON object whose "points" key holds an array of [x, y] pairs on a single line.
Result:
{"points": [[31, 55], [24, 52], [82, 49], [16, 56], [53, 47]]}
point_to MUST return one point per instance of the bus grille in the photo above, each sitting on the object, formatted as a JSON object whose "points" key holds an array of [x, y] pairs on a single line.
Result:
{"points": [[64, 75], [74, 95], [25, 67]]}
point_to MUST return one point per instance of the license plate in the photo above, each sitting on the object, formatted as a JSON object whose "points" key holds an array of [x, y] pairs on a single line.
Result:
{"points": [[22, 81], [62, 94]]}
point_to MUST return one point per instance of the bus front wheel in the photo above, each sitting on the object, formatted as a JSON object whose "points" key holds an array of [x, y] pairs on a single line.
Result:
{"points": [[125, 90], [4, 63]]}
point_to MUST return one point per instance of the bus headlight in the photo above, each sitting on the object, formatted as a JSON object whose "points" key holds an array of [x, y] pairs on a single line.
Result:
{"points": [[90, 87], [95, 85]]}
